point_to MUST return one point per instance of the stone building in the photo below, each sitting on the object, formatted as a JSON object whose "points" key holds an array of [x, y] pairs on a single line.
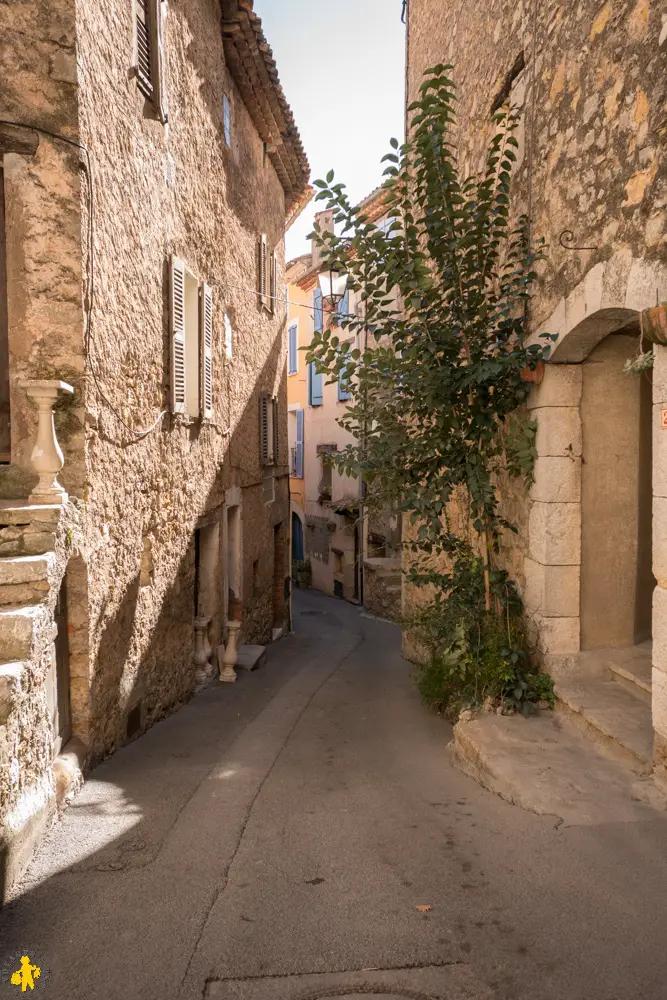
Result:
{"points": [[354, 553], [145, 185], [591, 556]]}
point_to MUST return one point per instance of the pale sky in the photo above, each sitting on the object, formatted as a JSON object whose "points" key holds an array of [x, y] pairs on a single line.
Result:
{"points": [[342, 66]]}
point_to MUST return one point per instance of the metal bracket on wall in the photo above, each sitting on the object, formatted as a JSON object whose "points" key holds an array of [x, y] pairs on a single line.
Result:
{"points": [[566, 240]]}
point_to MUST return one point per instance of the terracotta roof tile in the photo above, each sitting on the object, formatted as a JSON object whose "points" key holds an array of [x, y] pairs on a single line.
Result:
{"points": [[251, 63]]}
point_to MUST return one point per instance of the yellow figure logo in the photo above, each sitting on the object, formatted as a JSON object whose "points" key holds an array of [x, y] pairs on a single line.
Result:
{"points": [[26, 975]]}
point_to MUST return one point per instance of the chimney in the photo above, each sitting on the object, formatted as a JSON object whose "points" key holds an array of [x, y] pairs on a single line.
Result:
{"points": [[325, 221]]}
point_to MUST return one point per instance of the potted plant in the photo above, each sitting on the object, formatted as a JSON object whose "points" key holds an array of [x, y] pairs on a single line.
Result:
{"points": [[301, 573]]}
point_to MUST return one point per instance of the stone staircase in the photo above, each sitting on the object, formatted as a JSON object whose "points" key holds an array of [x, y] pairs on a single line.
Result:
{"points": [[32, 784], [610, 699]]}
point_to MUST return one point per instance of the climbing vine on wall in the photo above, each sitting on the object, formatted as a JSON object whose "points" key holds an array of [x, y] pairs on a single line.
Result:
{"points": [[436, 382]]}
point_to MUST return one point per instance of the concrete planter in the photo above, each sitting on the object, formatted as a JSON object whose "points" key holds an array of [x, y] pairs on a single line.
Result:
{"points": [[654, 324]]}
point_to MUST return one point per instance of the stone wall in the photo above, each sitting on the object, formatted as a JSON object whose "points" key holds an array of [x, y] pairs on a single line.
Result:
{"points": [[43, 229], [592, 127], [162, 190], [142, 480]]}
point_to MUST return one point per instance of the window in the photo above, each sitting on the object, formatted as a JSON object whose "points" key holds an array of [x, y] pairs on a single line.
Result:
{"points": [[343, 379], [191, 335], [227, 119], [295, 428], [315, 386], [293, 349], [325, 485], [268, 429], [318, 311], [150, 59], [228, 336]]}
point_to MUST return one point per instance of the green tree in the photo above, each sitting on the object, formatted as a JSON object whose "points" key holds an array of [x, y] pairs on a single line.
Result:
{"points": [[436, 382]]}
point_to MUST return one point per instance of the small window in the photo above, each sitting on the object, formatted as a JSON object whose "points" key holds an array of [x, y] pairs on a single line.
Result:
{"points": [[227, 119], [293, 349], [228, 336], [150, 58], [325, 486]]}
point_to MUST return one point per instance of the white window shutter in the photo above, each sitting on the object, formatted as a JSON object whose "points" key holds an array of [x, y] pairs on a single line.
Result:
{"points": [[161, 61], [263, 263], [264, 428], [274, 282], [177, 334], [206, 351]]}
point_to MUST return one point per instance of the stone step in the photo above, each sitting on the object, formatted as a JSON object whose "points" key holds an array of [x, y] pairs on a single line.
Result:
{"points": [[249, 657], [24, 579], [17, 627], [18, 512], [633, 670], [611, 715], [24, 569]]}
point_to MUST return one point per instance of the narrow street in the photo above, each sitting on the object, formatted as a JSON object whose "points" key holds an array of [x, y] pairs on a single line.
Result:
{"points": [[276, 840]]}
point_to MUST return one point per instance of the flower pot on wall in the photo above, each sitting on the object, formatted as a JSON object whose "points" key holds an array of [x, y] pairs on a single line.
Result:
{"points": [[534, 375], [654, 324]]}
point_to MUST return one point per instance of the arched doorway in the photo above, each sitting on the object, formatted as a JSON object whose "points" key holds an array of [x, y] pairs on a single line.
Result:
{"points": [[616, 577], [297, 538]]}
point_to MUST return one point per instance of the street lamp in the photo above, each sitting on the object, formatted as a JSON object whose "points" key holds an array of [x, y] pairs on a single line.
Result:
{"points": [[332, 285]]}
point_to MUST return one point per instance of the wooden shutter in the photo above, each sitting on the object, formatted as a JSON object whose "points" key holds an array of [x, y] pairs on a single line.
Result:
{"points": [[264, 428], [318, 311], [206, 351], [145, 47], [160, 67], [292, 349], [262, 264], [273, 285], [298, 460], [177, 334], [343, 380], [275, 428], [315, 397]]}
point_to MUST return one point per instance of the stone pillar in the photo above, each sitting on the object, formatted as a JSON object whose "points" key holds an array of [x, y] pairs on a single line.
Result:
{"points": [[659, 698], [46, 457], [552, 567]]}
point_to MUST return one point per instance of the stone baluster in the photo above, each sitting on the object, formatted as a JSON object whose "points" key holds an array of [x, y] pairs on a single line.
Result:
{"points": [[47, 457], [202, 650], [228, 662]]}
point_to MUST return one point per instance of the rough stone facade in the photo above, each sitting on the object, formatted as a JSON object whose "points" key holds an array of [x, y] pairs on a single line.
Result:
{"points": [[593, 94], [148, 541]]}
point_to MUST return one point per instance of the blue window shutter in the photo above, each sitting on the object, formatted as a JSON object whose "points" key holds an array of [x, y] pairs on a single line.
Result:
{"points": [[314, 386], [292, 351], [298, 464], [343, 385], [319, 311]]}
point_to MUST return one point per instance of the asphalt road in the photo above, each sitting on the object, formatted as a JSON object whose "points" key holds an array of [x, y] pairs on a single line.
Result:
{"points": [[275, 840]]}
